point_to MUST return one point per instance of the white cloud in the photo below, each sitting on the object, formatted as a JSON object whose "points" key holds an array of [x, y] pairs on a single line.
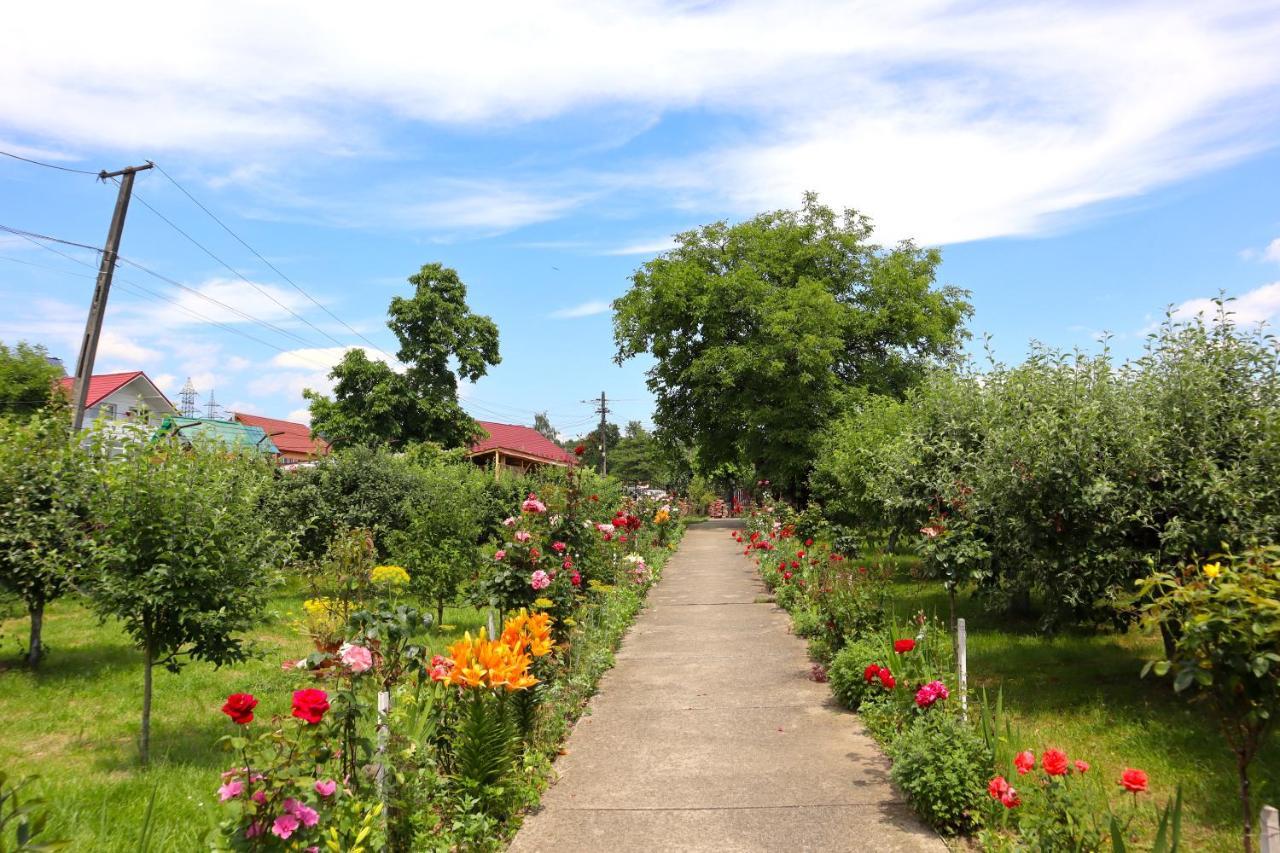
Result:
{"points": [[945, 121], [651, 247], [1272, 252], [225, 300], [300, 416], [586, 309], [1260, 305]]}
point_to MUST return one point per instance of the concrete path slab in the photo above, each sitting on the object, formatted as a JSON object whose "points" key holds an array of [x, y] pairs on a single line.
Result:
{"points": [[710, 735]]}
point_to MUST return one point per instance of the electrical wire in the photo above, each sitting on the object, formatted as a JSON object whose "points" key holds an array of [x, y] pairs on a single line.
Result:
{"points": [[49, 165], [272, 266], [37, 236], [138, 287], [239, 275]]}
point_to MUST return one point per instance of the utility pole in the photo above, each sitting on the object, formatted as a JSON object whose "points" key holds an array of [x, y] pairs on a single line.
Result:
{"points": [[98, 308], [603, 408]]}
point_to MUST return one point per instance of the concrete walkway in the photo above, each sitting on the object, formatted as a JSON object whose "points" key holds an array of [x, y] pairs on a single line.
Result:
{"points": [[710, 735]]}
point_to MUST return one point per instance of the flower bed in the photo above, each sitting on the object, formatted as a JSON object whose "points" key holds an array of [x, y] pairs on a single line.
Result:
{"points": [[967, 773], [389, 747]]}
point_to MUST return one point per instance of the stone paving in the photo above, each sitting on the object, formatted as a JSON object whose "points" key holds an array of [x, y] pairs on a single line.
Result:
{"points": [[710, 735]]}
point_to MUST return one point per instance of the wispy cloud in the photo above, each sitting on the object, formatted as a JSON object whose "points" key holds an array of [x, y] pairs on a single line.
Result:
{"points": [[586, 309], [651, 247], [1272, 252]]}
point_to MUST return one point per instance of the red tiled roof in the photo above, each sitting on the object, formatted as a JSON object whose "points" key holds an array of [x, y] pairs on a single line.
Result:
{"points": [[102, 385], [520, 439], [290, 437]]}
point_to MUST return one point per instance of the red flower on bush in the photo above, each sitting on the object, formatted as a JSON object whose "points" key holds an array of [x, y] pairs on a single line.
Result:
{"points": [[808, 542], [871, 673], [579, 450], [310, 705], [239, 707], [887, 679], [1009, 798], [1025, 762], [901, 646], [1082, 766], [1134, 780], [997, 786], [1054, 762]]}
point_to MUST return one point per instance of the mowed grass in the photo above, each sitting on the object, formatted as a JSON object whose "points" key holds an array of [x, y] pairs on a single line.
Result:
{"points": [[1082, 693], [74, 723]]}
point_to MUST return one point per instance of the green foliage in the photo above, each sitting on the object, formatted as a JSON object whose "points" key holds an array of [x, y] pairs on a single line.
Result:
{"points": [[941, 766], [28, 382], [357, 488], [847, 668], [445, 523], [185, 559], [1224, 618], [45, 529], [441, 341], [1067, 478], [762, 329], [22, 822]]}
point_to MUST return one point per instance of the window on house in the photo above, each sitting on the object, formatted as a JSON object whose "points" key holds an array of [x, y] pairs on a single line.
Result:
{"points": [[108, 409]]}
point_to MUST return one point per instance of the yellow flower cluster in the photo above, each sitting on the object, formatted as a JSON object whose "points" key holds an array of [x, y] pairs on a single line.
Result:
{"points": [[389, 576], [318, 607], [504, 662], [662, 516], [543, 603]]}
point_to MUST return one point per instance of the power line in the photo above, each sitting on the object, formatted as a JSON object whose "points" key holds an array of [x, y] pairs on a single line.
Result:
{"points": [[162, 297], [272, 266], [239, 274], [37, 236], [48, 165]]}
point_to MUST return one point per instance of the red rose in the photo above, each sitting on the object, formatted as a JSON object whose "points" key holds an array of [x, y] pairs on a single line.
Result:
{"points": [[1054, 762], [871, 673], [901, 646], [310, 705], [579, 450], [800, 554], [1025, 761], [239, 707], [1134, 780], [808, 542], [886, 678], [1082, 766], [1010, 799], [997, 787]]}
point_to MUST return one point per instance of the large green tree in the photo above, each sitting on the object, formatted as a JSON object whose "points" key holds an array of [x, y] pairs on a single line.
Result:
{"points": [[27, 378], [764, 330], [638, 457], [441, 341]]}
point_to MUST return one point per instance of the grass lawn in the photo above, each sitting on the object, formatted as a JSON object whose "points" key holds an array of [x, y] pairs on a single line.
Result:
{"points": [[1082, 693], [74, 724]]}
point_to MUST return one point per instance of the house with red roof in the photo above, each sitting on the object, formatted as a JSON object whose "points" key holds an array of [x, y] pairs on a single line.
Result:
{"points": [[293, 439], [516, 448], [130, 396]]}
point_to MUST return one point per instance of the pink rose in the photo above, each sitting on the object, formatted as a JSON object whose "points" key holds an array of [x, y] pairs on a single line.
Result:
{"points": [[284, 826], [358, 659], [522, 536], [260, 797], [540, 580], [558, 547], [532, 504], [510, 521], [499, 554]]}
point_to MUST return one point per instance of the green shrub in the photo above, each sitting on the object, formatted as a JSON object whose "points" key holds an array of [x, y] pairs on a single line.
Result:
{"points": [[941, 765], [882, 716], [847, 668]]}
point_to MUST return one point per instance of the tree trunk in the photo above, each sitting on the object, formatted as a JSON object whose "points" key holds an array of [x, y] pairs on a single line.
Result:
{"points": [[439, 613], [35, 648], [1242, 764], [144, 744], [892, 547], [1020, 603], [951, 601]]}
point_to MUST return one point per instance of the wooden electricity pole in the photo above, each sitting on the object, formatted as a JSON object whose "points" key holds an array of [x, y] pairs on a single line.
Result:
{"points": [[98, 308], [604, 437]]}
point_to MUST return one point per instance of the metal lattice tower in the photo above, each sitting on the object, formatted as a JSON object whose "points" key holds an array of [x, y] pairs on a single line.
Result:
{"points": [[212, 406], [188, 398]]}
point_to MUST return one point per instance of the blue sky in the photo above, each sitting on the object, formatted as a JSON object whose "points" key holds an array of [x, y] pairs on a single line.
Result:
{"points": [[1083, 166]]}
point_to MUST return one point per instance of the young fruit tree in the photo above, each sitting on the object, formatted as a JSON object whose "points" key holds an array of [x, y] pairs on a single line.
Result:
{"points": [[45, 479], [184, 557]]}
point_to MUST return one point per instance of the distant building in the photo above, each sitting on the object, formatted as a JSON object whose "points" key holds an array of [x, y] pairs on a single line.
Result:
{"points": [[129, 397], [232, 435], [293, 439], [510, 447]]}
